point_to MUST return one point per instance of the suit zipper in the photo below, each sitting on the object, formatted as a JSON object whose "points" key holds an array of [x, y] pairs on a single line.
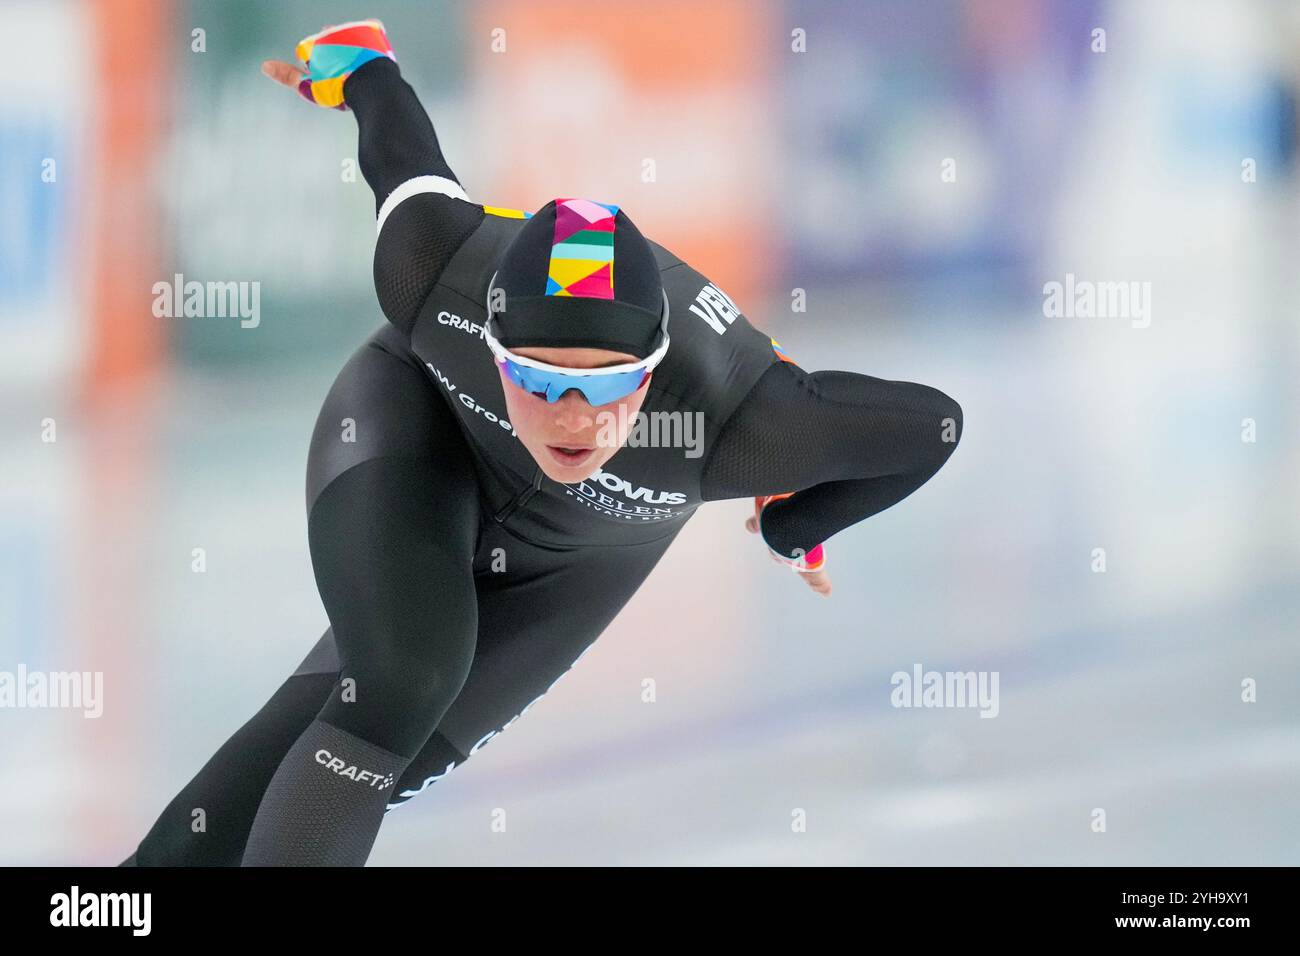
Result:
{"points": [[520, 499]]}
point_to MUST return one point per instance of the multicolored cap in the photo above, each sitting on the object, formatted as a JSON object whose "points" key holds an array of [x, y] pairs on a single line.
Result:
{"points": [[579, 274], [582, 249]]}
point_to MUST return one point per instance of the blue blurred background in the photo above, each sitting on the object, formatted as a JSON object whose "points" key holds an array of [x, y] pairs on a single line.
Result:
{"points": [[916, 174]]}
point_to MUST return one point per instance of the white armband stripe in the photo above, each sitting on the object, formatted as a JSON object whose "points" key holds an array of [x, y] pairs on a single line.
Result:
{"points": [[415, 186]]}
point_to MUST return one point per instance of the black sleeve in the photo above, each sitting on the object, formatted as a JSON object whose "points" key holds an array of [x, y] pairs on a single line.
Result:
{"points": [[849, 445], [396, 143]]}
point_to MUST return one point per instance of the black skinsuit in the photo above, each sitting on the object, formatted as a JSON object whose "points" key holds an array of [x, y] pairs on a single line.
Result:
{"points": [[459, 581]]}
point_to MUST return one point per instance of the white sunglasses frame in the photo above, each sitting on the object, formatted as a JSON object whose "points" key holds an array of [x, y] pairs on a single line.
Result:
{"points": [[502, 353]]}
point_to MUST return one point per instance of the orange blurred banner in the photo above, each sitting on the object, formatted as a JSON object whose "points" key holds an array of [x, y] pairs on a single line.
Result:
{"points": [[131, 48], [640, 108]]}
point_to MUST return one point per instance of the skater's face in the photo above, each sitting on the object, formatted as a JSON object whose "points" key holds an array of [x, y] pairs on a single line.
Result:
{"points": [[570, 439]]}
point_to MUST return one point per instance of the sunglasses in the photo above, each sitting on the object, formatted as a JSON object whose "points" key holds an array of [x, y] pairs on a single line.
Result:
{"points": [[599, 386]]}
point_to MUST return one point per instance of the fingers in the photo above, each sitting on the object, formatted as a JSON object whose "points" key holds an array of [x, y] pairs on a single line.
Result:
{"points": [[817, 580], [820, 583], [286, 74]]}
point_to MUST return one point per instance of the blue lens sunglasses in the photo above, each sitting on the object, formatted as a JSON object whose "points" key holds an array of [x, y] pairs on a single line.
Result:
{"points": [[599, 386]]}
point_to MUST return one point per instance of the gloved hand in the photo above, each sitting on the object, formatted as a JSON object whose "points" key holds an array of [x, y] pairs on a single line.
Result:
{"points": [[812, 564], [330, 56]]}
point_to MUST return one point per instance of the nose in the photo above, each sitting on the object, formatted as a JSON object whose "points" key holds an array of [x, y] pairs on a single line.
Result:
{"points": [[573, 414]]}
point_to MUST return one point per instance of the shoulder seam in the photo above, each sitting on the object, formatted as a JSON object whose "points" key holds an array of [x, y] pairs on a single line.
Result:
{"points": [[416, 186]]}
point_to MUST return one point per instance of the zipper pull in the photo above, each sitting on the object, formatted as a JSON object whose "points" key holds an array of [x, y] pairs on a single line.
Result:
{"points": [[532, 489], [521, 498]]}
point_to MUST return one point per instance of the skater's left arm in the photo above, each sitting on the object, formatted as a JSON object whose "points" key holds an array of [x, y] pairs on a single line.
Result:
{"points": [[849, 446]]}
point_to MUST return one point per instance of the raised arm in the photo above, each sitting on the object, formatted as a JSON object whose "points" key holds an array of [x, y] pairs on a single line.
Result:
{"points": [[423, 212]]}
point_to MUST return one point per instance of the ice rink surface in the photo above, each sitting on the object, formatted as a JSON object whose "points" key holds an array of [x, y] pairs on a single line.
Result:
{"points": [[1117, 539], [1118, 690]]}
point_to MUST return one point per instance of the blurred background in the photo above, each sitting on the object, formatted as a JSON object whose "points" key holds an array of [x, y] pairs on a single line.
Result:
{"points": [[920, 172]]}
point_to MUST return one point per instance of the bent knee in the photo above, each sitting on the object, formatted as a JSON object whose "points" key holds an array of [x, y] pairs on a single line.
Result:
{"points": [[396, 704]]}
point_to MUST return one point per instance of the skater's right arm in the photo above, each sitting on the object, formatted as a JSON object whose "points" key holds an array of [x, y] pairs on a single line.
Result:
{"points": [[423, 213]]}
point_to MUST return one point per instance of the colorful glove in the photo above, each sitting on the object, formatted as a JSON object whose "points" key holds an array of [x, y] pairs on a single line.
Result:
{"points": [[334, 53], [813, 560]]}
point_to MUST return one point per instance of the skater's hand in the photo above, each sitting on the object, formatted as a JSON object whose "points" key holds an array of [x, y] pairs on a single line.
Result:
{"points": [[326, 60], [286, 74], [815, 579]]}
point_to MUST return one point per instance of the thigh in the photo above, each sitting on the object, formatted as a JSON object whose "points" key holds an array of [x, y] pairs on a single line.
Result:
{"points": [[537, 614], [392, 525], [381, 405], [536, 617]]}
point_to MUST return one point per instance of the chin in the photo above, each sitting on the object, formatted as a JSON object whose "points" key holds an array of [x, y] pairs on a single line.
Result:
{"points": [[568, 475]]}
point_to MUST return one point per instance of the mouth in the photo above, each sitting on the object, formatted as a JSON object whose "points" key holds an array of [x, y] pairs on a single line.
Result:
{"points": [[570, 456]]}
